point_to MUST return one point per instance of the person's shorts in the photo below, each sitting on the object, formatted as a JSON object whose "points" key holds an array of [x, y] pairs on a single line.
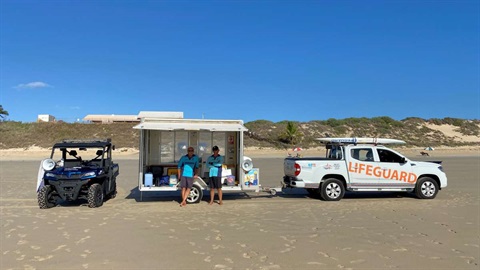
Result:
{"points": [[186, 182], [215, 182]]}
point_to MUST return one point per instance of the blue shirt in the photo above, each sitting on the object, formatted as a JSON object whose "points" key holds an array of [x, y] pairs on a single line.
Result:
{"points": [[214, 163], [188, 165]]}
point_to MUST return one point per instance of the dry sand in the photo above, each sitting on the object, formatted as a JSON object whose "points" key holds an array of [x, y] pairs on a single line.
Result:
{"points": [[250, 231]]}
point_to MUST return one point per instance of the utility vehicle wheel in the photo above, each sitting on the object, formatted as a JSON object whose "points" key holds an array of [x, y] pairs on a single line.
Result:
{"points": [[196, 194], [332, 190], [426, 188], [45, 196], [113, 194], [95, 196]]}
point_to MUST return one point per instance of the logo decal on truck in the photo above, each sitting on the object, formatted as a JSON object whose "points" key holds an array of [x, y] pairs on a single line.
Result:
{"points": [[377, 171]]}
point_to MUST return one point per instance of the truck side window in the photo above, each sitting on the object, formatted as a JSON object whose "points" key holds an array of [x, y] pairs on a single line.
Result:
{"points": [[363, 154], [355, 154], [388, 156]]}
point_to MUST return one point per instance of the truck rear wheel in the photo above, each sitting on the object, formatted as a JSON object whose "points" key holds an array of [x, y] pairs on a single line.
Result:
{"points": [[332, 190], [196, 194], [426, 188]]}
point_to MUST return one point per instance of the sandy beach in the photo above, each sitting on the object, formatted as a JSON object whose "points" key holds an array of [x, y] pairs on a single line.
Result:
{"points": [[250, 231]]}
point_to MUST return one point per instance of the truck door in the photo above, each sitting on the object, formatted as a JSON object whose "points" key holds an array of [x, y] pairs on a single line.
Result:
{"points": [[394, 170], [360, 162]]}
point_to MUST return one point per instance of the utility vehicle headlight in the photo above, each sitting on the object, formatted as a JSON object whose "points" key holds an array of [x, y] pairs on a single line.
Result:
{"points": [[89, 174], [48, 164]]}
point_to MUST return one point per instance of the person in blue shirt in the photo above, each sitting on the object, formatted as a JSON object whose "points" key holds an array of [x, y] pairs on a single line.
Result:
{"points": [[187, 172], [214, 165]]}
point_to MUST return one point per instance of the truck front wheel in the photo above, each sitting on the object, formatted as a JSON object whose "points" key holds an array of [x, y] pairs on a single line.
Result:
{"points": [[332, 190], [426, 188]]}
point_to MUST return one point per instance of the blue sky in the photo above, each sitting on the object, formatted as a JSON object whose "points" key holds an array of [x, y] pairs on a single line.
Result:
{"points": [[250, 60]]}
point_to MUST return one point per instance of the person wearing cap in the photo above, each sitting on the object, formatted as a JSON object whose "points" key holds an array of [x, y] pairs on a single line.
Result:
{"points": [[214, 165], [187, 172]]}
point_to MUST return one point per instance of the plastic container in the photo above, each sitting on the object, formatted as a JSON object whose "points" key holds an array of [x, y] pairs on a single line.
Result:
{"points": [[173, 180], [148, 180]]}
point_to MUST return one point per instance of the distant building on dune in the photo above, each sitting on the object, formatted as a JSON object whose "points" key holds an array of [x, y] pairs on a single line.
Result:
{"points": [[112, 118], [45, 118]]}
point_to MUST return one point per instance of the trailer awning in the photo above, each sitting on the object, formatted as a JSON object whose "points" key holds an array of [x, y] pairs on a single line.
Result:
{"points": [[198, 125]]}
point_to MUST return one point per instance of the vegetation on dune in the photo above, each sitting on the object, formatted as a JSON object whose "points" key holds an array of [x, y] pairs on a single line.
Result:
{"points": [[262, 133], [413, 130], [3, 112]]}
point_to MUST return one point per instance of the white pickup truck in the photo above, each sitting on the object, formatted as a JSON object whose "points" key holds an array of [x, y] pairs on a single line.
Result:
{"points": [[362, 164]]}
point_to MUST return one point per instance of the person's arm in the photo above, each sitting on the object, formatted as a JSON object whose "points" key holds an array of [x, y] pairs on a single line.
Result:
{"points": [[179, 171], [209, 162], [195, 169]]}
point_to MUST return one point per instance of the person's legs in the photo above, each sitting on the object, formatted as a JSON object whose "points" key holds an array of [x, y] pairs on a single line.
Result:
{"points": [[189, 185], [211, 185], [220, 195], [185, 190], [183, 186], [212, 194], [185, 196]]}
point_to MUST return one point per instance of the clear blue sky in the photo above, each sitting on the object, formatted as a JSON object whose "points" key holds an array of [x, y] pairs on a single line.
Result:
{"points": [[250, 60]]}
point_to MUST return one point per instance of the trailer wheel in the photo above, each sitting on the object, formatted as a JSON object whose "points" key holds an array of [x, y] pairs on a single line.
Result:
{"points": [[426, 188], [196, 194], [332, 190]]}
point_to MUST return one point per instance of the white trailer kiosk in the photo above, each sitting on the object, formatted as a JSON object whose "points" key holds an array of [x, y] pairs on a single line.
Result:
{"points": [[164, 141]]}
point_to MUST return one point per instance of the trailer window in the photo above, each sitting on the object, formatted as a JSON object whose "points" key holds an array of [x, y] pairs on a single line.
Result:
{"points": [[181, 140], [204, 144], [219, 140], [167, 149]]}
